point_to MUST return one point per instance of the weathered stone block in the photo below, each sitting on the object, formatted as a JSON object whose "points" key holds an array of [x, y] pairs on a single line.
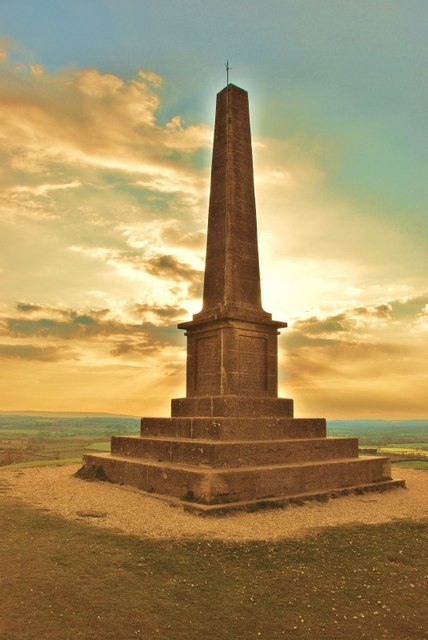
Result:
{"points": [[233, 454], [232, 428], [241, 485], [217, 406]]}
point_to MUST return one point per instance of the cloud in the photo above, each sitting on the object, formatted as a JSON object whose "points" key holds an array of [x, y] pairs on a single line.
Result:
{"points": [[82, 155], [168, 270], [358, 331], [409, 307], [156, 340], [97, 195], [168, 267], [387, 316], [346, 362], [6, 44], [43, 189], [70, 325], [83, 117], [151, 77], [163, 315], [315, 325], [27, 307], [57, 327], [34, 352]]}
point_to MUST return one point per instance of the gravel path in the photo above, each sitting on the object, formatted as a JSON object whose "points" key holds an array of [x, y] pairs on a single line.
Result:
{"points": [[124, 508]]}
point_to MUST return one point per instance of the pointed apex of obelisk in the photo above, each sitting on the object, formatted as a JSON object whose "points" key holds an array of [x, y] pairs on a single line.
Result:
{"points": [[232, 274], [233, 87]]}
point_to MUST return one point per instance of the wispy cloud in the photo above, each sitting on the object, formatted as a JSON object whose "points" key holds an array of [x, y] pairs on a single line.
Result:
{"points": [[84, 118], [33, 352], [62, 324], [85, 146]]}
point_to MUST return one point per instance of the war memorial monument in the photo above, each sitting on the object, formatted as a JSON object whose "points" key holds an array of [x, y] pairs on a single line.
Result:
{"points": [[232, 442]]}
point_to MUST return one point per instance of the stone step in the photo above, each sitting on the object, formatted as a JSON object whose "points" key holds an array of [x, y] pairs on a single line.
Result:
{"points": [[221, 486], [228, 428], [244, 406], [233, 453], [284, 501]]}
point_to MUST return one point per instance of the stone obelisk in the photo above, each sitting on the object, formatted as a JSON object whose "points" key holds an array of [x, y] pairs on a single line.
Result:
{"points": [[231, 442], [232, 343]]}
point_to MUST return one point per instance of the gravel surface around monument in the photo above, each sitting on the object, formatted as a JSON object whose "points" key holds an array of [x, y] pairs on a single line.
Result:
{"points": [[131, 511]]}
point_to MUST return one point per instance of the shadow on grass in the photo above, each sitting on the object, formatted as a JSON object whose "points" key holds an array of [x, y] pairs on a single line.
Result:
{"points": [[66, 580]]}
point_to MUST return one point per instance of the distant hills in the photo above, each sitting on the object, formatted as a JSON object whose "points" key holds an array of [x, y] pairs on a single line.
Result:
{"points": [[379, 424], [333, 424], [67, 414]]}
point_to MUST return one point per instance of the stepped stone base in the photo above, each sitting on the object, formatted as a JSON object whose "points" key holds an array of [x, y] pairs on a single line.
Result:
{"points": [[215, 463]]}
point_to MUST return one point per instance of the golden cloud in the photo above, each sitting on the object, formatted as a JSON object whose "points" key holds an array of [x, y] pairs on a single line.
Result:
{"points": [[347, 362], [83, 118]]}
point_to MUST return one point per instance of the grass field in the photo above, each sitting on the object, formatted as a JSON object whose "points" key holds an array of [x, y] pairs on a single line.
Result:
{"points": [[40, 438], [404, 451], [33, 438], [65, 580], [412, 464], [41, 450]]}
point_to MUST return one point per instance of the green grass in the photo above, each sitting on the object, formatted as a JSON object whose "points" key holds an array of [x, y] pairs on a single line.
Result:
{"points": [[66, 580], [99, 446], [17, 434], [416, 444], [39, 449], [413, 464], [403, 451]]}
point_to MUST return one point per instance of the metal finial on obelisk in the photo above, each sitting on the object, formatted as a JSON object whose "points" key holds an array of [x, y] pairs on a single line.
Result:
{"points": [[227, 72]]}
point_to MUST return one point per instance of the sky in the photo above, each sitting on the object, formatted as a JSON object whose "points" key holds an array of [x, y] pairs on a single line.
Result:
{"points": [[106, 125]]}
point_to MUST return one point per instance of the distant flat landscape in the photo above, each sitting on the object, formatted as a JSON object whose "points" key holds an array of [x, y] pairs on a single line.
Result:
{"points": [[36, 438], [65, 414], [44, 438]]}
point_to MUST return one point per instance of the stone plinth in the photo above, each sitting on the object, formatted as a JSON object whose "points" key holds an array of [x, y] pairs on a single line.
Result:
{"points": [[230, 357], [223, 406], [231, 442]]}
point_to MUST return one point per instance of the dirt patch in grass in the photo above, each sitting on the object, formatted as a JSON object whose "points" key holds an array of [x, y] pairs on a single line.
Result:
{"points": [[134, 512]]}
